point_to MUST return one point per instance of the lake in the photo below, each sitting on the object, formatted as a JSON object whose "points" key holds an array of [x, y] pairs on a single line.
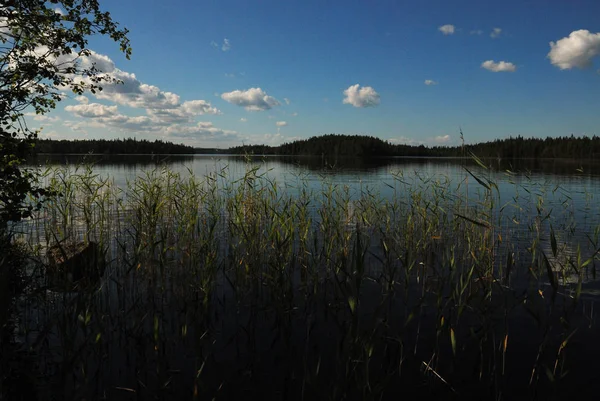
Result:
{"points": [[305, 278]]}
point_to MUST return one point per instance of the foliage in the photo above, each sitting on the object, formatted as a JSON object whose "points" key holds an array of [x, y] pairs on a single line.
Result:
{"points": [[43, 52]]}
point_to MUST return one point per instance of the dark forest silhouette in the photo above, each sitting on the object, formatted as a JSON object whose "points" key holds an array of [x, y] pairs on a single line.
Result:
{"points": [[581, 147]]}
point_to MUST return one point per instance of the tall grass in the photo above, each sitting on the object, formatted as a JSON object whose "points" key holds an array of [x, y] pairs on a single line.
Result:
{"points": [[221, 288]]}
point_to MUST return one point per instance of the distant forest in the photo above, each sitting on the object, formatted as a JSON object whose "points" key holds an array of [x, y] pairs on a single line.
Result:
{"points": [[111, 146], [368, 146], [348, 145]]}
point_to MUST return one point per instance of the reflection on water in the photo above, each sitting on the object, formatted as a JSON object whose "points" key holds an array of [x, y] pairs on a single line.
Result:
{"points": [[558, 179], [128, 165]]}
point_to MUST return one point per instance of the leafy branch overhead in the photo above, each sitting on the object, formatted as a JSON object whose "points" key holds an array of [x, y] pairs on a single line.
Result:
{"points": [[43, 53]]}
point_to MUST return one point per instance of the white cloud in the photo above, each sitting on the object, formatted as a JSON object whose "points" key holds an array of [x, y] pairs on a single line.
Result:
{"points": [[253, 99], [476, 32], [363, 97], [198, 107], [102, 62], [286, 100], [243, 119], [43, 117], [59, 11], [226, 45], [442, 139], [500, 66], [575, 51], [184, 113], [228, 75], [129, 91], [131, 124], [158, 113], [102, 116], [430, 82], [447, 29], [281, 123], [495, 33], [295, 114], [92, 110], [202, 130], [133, 93], [82, 99], [80, 126]]}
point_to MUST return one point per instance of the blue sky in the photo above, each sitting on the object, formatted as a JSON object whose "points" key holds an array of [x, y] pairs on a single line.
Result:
{"points": [[222, 73]]}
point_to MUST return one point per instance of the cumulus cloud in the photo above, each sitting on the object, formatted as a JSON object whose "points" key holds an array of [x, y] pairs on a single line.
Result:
{"points": [[476, 32], [101, 116], [447, 29], [500, 66], [442, 139], [80, 126], [184, 112], [281, 123], [361, 97], [163, 112], [43, 118], [92, 110], [101, 62], [202, 130], [133, 93], [253, 99], [286, 100], [430, 82], [82, 99], [126, 89], [243, 119], [575, 51], [495, 33]]}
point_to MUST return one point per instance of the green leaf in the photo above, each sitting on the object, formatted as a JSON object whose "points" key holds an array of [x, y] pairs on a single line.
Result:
{"points": [[453, 341], [352, 304]]}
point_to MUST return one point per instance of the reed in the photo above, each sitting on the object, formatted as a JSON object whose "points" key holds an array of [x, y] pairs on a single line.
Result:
{"points": [[215, 287]]}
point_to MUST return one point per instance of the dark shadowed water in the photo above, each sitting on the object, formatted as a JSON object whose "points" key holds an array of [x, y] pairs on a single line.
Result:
{"points": [[147, 334]]}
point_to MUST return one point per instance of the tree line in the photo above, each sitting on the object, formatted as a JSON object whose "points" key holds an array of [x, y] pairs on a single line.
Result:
{"points": [[581, 147], [337, 145], [111, 146]]}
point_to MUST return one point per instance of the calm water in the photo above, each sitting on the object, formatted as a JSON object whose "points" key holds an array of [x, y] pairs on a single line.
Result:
{"points": [[138, 337], [566, 186], [578, 178]]}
